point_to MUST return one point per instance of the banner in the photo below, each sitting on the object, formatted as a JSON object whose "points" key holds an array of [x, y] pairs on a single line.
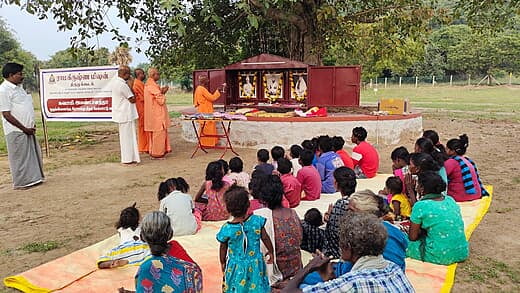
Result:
{"points": [[77, 94]]}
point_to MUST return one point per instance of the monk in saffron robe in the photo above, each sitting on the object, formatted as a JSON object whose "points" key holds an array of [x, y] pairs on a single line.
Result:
{"points": [[156, 118], [138, 88], [204, 103]]}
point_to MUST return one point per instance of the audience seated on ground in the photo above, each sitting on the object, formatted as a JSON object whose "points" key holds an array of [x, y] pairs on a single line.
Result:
{"points": [[337, 145], [309, 177], [328, 161], [400, 161], [419, 162], [237, 175], [292, 188], [225, 171], [263, 156], [210, 198], [366, 201], [362, 241], [284, 229], [425, 145], [464, 182], [436, 229], [434, 137], [178, 205], [397, 200], [311, 145], [295, 152], [277, 152], [163, 272], [345, 181], [131, 249], [313, 235], [258, 178], [364, 155]]}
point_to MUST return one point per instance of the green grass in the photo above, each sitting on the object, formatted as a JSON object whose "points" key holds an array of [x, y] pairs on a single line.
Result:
{"points": [[488, 271], [41, 246]]}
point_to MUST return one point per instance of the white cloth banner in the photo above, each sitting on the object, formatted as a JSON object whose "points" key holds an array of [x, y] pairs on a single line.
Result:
{"points": [[77, 94]]}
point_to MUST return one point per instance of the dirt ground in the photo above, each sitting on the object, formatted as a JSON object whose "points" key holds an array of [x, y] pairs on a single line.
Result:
{"points": [[86, 188]]}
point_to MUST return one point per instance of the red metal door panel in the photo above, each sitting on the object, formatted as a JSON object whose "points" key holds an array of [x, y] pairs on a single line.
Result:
{"points": [[334, 86], [216, 78], [347, 82], [321, 86]]}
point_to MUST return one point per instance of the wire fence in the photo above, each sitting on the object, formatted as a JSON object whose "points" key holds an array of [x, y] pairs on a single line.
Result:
{"points": [[447, 80]]}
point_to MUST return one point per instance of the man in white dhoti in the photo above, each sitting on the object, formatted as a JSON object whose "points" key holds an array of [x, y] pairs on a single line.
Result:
{"points": [[124, 113], [17, 109]]}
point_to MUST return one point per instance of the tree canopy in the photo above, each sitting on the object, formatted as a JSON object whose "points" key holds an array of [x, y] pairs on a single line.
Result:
{"points": [[11, 51]]}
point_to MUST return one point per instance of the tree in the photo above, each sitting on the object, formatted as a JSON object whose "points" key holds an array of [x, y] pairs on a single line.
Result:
{"points": [[78, 57], [11, 51]]}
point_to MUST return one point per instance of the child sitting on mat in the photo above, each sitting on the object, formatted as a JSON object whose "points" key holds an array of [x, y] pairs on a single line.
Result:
{"points": [[294, 153], [241, 260], [277, 152], [263, 156], [237, 175], [131, 249], [398, 202], [313, 235]]}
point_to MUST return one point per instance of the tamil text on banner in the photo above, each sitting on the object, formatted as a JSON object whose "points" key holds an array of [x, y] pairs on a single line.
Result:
{"points": [[77, 94]]}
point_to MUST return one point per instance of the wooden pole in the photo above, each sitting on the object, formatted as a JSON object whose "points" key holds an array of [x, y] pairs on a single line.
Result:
{"points": [[44, 122], [433, 81], [370, 83], [416, 81], [510, 77], [385, 82], [451, 80], [469, 79], [400, 79]]}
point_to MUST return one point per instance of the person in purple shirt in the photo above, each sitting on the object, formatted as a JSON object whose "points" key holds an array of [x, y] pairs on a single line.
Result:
{"points": [[328, 161]]}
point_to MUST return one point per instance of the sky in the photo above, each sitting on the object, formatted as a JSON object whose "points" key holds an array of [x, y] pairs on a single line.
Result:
{"points": [[42, 38]]}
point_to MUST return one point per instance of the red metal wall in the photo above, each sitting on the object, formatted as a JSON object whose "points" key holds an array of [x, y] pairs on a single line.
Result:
{"points": [[334, 86], [216, 78]]}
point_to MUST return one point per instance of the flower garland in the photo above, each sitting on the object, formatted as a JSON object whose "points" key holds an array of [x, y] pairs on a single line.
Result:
{"points": [[241, 87], [293, 89], [277, 95]]}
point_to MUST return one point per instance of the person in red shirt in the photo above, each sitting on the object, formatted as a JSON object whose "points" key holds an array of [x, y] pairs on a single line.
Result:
{"points": [[309, 177], [292, 188], [337, 145], [364, 155]]}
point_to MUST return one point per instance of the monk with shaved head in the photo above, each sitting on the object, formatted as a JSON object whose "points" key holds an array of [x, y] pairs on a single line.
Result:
{"points": [[156, 118]]}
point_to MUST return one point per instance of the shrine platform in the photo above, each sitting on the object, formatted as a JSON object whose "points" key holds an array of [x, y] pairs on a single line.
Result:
{"points": [[266, 132]]}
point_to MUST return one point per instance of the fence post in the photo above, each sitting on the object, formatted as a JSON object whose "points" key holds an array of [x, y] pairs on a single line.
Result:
{"points": [[451, 80], [433, 81], [376, 82], [400, 79], [510, 77], [469, 79], [370, 83], [385, 82]]}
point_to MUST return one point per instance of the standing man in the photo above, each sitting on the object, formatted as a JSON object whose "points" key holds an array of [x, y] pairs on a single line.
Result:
{"points": [[138, 88], [124, 113], [20, 130], [156, 118]]}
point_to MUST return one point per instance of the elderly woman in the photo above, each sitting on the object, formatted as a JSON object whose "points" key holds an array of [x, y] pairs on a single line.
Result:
{"points": [[283, 225], [395, 249], [436, 228], [362, 240], [162, 272]]}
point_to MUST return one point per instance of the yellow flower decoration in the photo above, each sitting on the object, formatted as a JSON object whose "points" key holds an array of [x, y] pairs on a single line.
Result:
{"points": [[258, 231], [229, 270], [167, 289], [225, 287], [261, 274], [238, 233], [253, 286], [230, 251], [243, 282], [251, 253], [157, 263], [250, 269]]}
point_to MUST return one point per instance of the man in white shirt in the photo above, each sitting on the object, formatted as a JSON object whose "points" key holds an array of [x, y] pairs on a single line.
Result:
{"points": [[17, 110], [124, 113]]}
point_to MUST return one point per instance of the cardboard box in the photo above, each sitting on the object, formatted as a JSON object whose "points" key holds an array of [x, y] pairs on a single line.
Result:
{"points": [[394, 106]]}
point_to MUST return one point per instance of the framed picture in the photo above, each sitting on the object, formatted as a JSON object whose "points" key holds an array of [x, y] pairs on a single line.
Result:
{"points": [[273, 86], [298, 81], [247, 85]]}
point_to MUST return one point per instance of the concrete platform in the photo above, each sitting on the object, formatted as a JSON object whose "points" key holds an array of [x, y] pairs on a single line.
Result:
{"points": [[265, 132]]}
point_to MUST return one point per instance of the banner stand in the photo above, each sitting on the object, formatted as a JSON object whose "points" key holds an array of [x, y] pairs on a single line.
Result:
{"points": [[44, 122]]}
